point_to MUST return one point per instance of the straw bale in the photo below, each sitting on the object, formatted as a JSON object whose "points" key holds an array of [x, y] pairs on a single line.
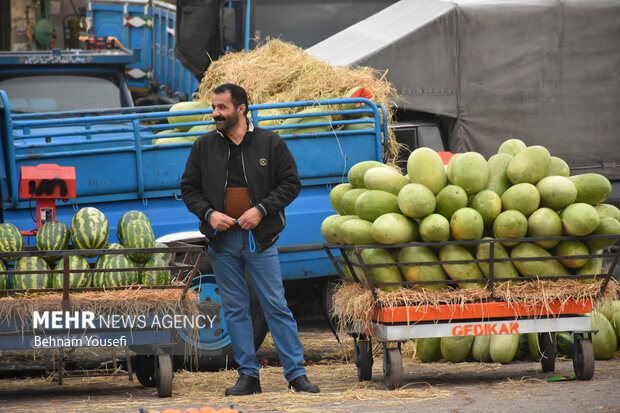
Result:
{"points": [[278, 72]]}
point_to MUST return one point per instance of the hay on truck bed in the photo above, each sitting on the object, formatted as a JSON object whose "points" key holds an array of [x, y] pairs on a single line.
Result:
{"points": [[354, 303], [278, 72]]}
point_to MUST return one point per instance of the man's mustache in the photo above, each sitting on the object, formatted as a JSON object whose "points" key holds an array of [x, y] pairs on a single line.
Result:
{"points": [[218, 118]]}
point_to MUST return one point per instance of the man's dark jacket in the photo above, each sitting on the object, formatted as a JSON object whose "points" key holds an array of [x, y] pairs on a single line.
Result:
{"points": [[270, 171]]}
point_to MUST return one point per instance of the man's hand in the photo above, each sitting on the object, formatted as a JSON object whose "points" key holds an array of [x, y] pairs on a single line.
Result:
{"points": [[250, 219], [220, 222]]}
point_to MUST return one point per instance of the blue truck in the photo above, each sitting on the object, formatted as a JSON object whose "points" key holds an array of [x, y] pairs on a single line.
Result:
{"points": [[119, 168]]}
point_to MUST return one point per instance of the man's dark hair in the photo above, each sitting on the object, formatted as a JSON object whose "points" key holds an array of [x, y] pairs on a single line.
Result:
{"points": [[237, 94]]}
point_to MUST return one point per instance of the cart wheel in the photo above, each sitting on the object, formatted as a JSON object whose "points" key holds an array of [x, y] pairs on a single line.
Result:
{"points": [[144, 367], [164, 375], [548, 348], [583, 359], [392, 367], [363, 360]]}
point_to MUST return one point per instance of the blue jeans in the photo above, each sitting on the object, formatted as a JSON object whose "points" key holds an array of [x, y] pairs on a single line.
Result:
{"points": [[266, 276]]}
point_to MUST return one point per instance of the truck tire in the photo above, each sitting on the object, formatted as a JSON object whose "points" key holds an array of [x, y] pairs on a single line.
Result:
{"points": [[213, 350]]}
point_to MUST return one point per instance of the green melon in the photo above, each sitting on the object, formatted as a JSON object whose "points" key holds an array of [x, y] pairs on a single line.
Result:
{"points": [[542, 268], [593, 267], [31, 281], [388, 274], [466, 224], [153, 275], [608, 210], [357, 172], [394, 228], [480, 348], [128, 216], [512, 147], [579, 219], [558, 167], [101, 264], [456, 349], [544, 222], [186, 106], [488, 204], [435, 228], [556, 192], [347, 202], [385, 179], [53, 236], [523, 197], [607, 226], [335, 196], [424, 166], [503, 347], [529, 166], [416, 273], [326, 229], [416, 200], [332, 228], [166, 256], [605, 342], [76, 279], [570, 249], [498, 176], [11, 239], [460, 272], [510, 224], [428, 349], [373, 203], [591, 188], [533, 345], [500, 269], [356, 231], [470, 172], [449, 199]]}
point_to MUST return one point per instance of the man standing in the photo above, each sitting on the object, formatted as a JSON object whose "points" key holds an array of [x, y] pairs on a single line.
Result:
{"points": [[238, 179]]}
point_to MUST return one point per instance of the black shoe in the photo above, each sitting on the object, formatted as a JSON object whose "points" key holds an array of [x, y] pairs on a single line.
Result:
{"points": [[246, 385], [302, 384]]}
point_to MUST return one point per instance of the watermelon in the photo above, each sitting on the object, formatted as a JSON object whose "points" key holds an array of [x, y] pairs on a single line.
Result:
{"points": [[101, 264], [113, 278], [4, 278], [154, 276], [31, 281], [128, 216], [53, 236], [166, 256], [10, 240], [76, 279], [137, 233], [89, 229]]}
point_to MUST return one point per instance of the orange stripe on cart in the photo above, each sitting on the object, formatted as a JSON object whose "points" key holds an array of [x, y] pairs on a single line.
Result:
{"points": [[410, 314]]}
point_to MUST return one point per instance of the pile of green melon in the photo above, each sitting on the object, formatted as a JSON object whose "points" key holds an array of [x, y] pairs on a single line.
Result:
{"points": [[505, 348], [89, 231], [175, 121], [522, 191]]}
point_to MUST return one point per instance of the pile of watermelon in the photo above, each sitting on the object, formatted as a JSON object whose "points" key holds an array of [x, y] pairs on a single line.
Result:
{"points": [[89, 231], [522, 191], [505, 348]]}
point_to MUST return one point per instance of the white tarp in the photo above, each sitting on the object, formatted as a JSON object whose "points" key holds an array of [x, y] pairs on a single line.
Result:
{"points": [[545, 71]]}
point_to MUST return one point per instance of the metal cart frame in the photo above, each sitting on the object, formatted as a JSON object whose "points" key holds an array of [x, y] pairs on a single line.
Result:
{"points": [[153, 363]]}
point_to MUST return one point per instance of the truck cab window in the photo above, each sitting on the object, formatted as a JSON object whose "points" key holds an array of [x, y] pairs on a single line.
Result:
{"points": [[31, 94]]}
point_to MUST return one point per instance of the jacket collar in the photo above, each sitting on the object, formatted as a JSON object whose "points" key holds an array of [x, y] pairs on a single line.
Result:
{"points": [[248, 133]]}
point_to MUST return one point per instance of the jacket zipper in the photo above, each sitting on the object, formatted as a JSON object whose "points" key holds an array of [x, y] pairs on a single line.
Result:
{"points": [[226, 177], [246, 178]]}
